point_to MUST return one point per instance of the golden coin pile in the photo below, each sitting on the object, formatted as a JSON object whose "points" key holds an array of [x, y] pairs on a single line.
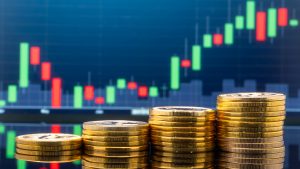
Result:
{"points": [[182, 137], [250, 130], [115, 144], [48, 147]]}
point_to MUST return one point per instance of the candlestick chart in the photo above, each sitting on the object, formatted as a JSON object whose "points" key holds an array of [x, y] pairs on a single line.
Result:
{"points": [[51, 60]]}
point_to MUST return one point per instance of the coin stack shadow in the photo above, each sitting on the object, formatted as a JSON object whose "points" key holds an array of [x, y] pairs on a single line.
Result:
{"points": [[115, 144], [48, 147], [250, 130], [182, 137]]}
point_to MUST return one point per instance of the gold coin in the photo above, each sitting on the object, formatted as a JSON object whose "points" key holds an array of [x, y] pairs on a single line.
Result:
{"points": [[182, 118], [183, 160], [184, 150], [183, 129], [183, 155], [252, 129], [48, 139], [181, 111], [251, 109], [255, 145], [115, 138], [251, 114], [182, 124], [115, 133], [48, 153], [252, 166], [115, 160], [181, 139], [253, 119], [250, 124], [180, 145], [116, 154], [249, 140], [115, 125], [115, 149], [251, 104], [252, 160], [181, 134], [159, 164], [251, 97], [113, 165], [252, 156], [49, 148], [146, 167], [254, 150], [116, 144], [47, 159], [250, 135]]}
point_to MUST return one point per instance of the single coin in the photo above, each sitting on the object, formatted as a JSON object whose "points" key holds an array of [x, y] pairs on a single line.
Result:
{"points": [[183, 155], [116, 138], [250, 124], [250, 135], [116, 144], [254, 145], [251, 109], [146, 167], [48, 139], [251, 104], [115, 133], [251, 166], [252, 156], [249, 140], [115, 125], [254, 150], [49, 148], [182, 118], [115, 149], [113, 165], [48, 153], [181, 124], [251, 97], [248, 129], [252, 160], [251, 114], [48, 159], [182, 129], [181, 134], [182, 139], [160, 164], [184, 150], [186, 145], [115, 154], [181, 111], [183, 160], [115, 160], [253, 119]]}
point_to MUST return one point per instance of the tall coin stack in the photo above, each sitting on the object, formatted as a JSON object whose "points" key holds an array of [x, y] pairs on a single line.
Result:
{"points": [[182, 137], [250, 130], [115, 144], [48, 147]]}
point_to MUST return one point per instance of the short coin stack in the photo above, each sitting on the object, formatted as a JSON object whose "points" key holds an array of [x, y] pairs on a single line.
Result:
{"points": [[182, 137], [48, 147], [250, 130], [115, 144]]}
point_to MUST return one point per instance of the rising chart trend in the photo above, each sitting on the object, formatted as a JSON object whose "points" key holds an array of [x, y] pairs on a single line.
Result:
{"points": [[265, 24]]}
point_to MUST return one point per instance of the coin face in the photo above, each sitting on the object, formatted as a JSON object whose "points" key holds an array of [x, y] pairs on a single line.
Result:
{"points": [[180, 111], [48, 139], [256, 96], [115, 125]]}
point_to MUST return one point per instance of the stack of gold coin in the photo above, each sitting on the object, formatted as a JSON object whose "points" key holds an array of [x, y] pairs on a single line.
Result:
{"points": [[250, 130], [48, 147], [115, 144], [182, 137]]}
